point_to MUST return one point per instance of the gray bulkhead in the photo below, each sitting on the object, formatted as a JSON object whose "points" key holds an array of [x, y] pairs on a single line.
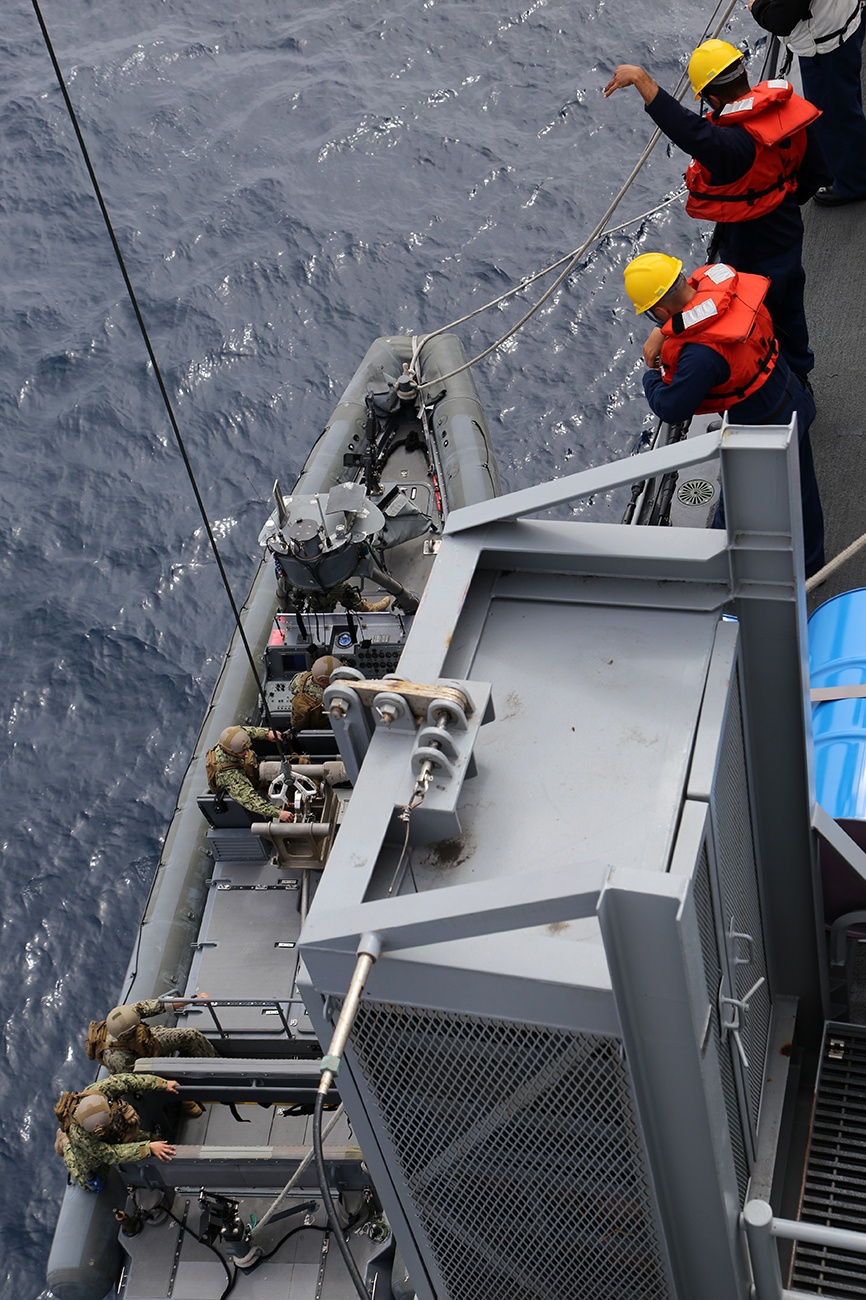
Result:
{"points": [[560, 1067]]}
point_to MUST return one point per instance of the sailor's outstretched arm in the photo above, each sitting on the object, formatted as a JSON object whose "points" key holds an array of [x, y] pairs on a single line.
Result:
{"points": [[630, 74]]}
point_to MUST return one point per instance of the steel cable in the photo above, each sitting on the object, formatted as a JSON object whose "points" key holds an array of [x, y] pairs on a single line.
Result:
{"points": [[598, 232]]}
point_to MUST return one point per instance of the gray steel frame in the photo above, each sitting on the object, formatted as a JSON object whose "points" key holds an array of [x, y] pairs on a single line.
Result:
{"points": [[648, 927]]}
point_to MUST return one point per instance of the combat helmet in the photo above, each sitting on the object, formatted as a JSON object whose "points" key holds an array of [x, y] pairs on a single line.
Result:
{"points": [[119, 1021], [93, 1113], [324, 666], [234, 740]]}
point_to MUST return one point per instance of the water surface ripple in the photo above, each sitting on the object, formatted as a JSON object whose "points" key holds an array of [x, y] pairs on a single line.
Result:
{"points": [[286, 182]]}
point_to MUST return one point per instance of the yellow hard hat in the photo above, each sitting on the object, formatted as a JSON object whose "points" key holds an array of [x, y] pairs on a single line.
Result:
{"points": [[648, 278], [709, 61]]}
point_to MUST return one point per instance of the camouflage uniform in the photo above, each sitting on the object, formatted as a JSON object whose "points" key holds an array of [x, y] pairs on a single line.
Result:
{"points": [[87, 1155], [119, 1058], [235, 782], [307, 696]]}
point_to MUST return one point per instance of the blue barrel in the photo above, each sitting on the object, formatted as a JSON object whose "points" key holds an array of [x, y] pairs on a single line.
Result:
{"points": [[837, 657]]}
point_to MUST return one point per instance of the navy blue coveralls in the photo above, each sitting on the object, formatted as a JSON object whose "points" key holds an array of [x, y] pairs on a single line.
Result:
{"points": [[699, 369], [771, 245]]}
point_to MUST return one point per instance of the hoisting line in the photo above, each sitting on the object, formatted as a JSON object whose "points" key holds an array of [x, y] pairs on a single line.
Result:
{"points": [[156, 370], [598, 232]]}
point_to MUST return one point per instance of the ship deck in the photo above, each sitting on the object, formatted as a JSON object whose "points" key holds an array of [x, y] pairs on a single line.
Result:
{"points": [[835, 297]]}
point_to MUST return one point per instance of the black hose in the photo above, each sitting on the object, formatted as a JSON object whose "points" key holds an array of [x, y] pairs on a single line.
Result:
{"points": [[232, 1277], [302, 1227], [333, 1221], [154, 361]]}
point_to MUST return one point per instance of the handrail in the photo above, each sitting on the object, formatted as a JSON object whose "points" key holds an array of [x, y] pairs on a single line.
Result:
{"points": [[762, 1227], [200, 1003]]}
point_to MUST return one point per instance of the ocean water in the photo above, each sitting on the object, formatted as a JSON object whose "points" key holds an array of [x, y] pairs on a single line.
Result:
{"points": [[286, 181]]}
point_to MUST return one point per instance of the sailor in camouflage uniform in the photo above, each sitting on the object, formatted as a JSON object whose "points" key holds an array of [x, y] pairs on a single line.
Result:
{"points": [[103, 1130], [232, 769], [127, 1039], [308, 690]]}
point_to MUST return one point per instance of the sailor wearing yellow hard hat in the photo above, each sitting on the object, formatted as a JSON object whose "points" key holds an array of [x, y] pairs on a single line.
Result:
{"points": [[755, 159], [712, 349]]}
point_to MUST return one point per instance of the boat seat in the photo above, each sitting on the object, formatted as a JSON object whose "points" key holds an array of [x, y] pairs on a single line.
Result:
{"points": [[284, 1081], [227, 816]]}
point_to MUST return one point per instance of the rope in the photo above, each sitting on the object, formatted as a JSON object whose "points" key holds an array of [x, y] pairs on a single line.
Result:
{"points": [[539, 275], [836, 563], [599, 231], [153, 360], [307, 1160]]}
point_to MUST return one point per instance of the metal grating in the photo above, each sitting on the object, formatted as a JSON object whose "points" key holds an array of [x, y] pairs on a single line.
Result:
{"points": [[834, 1188], [738, 881], [236, 845], [521, 1154], [713, 975]]}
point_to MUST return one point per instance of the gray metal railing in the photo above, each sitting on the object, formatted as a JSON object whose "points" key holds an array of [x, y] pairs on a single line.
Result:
{"points": [[280, 1007], [762, 1227]]}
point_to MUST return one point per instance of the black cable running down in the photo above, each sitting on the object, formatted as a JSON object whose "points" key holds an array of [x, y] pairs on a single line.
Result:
{"points": [[302, 1227], [232, 1277], [156, 370], [333, 1221]]}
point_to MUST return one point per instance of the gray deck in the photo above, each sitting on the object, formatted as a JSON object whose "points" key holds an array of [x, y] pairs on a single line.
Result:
{"points": [[835, 259]]}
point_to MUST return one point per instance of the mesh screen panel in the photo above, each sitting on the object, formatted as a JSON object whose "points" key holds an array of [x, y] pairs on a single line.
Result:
{"points": [[520, 1151]]}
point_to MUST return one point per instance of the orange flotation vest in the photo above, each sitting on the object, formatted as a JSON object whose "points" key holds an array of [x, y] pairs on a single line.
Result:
{"points": [[776, 119], [728, 315]]}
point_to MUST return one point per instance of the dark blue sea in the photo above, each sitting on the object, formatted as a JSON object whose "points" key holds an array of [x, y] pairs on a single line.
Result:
{"points": [[286, 181]]}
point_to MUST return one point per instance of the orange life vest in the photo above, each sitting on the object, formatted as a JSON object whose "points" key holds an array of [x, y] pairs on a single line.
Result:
{"points": [[728, 315], [776, 119]]}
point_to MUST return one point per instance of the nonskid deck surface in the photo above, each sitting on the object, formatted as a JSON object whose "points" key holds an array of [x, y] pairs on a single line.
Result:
{"points": [[247, 945], [167, 1259]]}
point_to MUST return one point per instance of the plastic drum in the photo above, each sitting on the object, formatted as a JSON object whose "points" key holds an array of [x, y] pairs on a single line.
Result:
{"points": [[837, 657]]}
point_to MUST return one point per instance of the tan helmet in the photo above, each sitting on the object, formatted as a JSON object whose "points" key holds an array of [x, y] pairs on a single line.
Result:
{"points": [[324, 667], [119, 1020], [234, 740], [93, 1113]]}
